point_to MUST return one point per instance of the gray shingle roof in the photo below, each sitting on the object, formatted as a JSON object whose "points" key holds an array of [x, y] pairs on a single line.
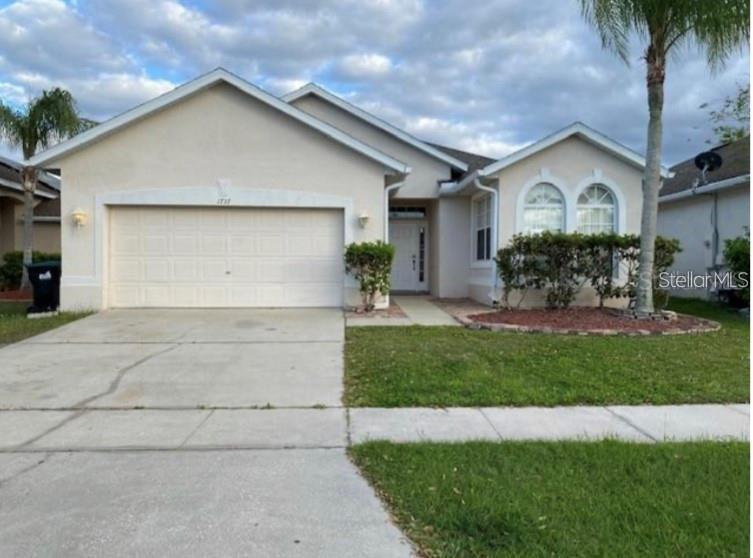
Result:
{"points": [[735, 162], [473, 161]]}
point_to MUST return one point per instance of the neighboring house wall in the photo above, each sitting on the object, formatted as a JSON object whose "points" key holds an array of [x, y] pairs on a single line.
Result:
{"points": [[46, 235], [426, 171], [218, 133], [570, 165], [689, 220]]}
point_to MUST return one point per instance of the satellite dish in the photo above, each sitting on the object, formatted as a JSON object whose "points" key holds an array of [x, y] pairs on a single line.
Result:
{"points": [[708, 161]]}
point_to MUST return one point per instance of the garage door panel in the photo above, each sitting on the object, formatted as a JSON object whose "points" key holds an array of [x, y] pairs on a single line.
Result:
{"points": [[184, 244], [156, 270], [219, 257]]}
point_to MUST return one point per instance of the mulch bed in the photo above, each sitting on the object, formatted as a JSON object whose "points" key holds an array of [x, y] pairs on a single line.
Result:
{"points": [[15, 295], [586, 321]]}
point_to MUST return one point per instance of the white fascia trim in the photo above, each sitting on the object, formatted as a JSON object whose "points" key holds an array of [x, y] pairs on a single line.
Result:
{"points": [[706, 188], [18, 187], [203, 82], [585, 132], [402, 135]]}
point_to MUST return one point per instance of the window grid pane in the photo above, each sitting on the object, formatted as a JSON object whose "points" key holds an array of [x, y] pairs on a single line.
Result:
{"points": [[596, 210], [544, 210]]}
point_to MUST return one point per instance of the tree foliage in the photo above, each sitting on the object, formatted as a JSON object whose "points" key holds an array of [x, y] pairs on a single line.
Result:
{"points": [[731, 119]]}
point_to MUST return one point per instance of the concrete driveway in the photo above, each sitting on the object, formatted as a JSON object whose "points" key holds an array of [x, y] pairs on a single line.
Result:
{"points": [[186, 433]]}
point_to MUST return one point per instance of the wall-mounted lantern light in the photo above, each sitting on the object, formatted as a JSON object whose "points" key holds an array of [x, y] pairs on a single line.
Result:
{"points": [[79, 217], [363, 219]]}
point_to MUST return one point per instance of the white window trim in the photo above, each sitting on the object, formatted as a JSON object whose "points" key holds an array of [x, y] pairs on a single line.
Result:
{"points": [[598, 177], [474, 263], [544, 176]]}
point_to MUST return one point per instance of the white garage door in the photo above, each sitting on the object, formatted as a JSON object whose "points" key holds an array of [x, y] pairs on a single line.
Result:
{"points": [[225, 257]]}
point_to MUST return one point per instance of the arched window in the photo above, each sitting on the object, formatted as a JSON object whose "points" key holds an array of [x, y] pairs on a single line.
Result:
{"points": [[544, 209], [596, 210]]}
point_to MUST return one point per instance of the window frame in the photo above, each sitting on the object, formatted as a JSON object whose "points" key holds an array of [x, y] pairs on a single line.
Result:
{"points": [[614, 207], [483, 201], [561, 206]]}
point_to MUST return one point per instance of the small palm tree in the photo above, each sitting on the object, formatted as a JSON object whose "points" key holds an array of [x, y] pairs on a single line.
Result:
{"points": [[718, 27], [45, 120]]}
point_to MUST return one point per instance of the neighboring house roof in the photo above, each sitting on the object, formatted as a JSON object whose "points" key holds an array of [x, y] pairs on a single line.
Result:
{"points": [[576, 129], [219, 75], [48, 210], [473, 160], [402, 135], [735, 163], [48, 185]]}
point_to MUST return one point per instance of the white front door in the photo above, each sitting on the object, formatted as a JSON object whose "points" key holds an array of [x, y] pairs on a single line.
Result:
{"points": [[409, 269]]}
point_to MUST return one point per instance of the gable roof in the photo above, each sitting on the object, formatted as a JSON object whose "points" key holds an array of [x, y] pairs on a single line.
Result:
{"points": [[402, 135], [735, 163], [582, 131], [218, 75]]}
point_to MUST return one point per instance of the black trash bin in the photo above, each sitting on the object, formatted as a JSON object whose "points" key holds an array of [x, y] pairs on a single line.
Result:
{"points": [[45, 278]]}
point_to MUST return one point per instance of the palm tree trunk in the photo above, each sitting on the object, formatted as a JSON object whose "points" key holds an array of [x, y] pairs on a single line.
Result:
{"points": [[651, 183], [29, 179]]}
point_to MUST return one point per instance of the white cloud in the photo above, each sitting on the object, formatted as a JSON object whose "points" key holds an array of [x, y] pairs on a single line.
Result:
{"points": [[365, 65]]}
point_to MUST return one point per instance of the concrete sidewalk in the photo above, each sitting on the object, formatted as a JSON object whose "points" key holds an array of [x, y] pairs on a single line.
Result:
{"points": [[307, 428], [632, 423]]}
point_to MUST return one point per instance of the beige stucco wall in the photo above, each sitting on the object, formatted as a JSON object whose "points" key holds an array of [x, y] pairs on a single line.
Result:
{"points": [[217, 134], [690, 221], [571, 165], [453, 230], [426, 171]]}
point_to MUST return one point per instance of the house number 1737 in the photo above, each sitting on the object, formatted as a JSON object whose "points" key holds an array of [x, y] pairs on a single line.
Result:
{"points": [[223, 201]]}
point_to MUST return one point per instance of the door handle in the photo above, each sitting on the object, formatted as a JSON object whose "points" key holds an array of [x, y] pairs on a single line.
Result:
{"points": [[413, 261]]}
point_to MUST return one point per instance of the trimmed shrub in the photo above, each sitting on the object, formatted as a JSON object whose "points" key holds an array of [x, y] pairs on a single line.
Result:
{"points": [[737, 258], [371, 264], [561, 263], [10, 269]]}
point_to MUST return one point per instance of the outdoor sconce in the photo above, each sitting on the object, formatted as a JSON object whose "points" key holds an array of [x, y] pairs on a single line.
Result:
{"points": [[363, 219], [80, 217]]}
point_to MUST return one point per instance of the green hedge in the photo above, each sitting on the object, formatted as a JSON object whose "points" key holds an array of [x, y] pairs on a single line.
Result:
{"points": [[10, 270], [737, 258], [562, 263]]}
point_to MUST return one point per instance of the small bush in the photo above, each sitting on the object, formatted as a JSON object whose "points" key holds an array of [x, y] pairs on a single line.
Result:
{"points": [[371, 264], [737, 258], [10, 269], [562, 263]]}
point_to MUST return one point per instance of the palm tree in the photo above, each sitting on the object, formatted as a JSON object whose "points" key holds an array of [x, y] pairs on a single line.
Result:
{"points": [[718, 27], [45, 120]]}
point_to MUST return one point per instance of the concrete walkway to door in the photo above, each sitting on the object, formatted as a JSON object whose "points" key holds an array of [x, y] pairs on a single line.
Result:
{"points": [[418, 309]]}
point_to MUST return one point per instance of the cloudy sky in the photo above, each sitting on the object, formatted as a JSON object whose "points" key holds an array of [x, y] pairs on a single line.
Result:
{"points": [[486, 76]]}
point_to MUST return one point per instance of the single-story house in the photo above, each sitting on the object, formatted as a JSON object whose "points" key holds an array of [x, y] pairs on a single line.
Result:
{"points": [[219, 194], [46, 210], [703, 213]]}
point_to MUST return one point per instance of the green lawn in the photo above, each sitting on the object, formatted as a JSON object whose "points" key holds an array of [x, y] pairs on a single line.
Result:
{"points": [[530, 499], [14, 325], [445, 366]]}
